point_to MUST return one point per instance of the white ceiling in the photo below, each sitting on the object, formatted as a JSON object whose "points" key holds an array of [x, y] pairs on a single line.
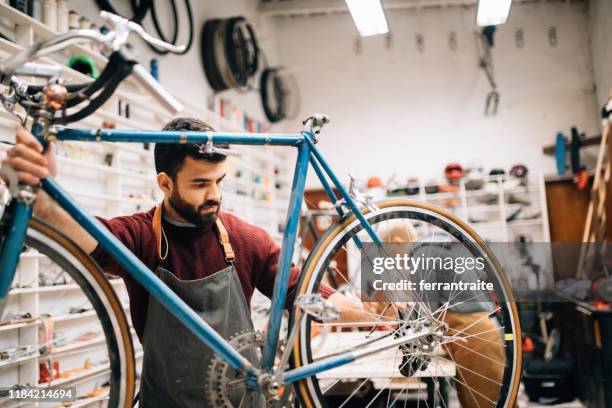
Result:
{"points": [[315, 7]]}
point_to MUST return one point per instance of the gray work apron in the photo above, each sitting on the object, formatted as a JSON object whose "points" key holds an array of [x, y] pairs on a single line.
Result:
{"points": [[176, 362]]}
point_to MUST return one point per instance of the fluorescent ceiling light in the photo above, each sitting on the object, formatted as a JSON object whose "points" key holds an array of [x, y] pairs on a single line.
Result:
{"points": [[492, 12], [368, 16]]}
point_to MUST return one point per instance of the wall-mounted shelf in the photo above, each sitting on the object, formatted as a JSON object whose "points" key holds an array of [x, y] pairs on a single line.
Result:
{"points": [[489, 210], [105, 178]]}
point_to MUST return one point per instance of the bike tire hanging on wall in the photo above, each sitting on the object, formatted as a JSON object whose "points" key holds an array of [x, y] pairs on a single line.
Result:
{"points": [[241, 49], [140, 9], [279, 94], [207, 49], [229, 51], [272, 92], [175, 28]]}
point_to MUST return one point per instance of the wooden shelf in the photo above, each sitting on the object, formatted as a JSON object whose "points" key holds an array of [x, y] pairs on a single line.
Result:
{"points": [[110, 199], [84, 375], [16, 326], [88, 401], [20, 360], [53, 288], [76, 345], [587, 141], [106, 169]]}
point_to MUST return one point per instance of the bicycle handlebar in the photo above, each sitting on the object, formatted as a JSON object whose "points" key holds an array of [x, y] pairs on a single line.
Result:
{"points": [[112, 40], [9, 66]]}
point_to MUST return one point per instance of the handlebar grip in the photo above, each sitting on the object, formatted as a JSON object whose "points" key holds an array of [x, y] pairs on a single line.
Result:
{"points": [[154, 88]]}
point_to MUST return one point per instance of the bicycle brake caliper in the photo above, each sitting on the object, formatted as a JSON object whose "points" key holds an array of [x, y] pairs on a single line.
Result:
{"points": [[366, 200]]}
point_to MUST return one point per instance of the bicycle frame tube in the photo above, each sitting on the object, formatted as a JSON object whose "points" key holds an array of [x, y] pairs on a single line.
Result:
{"points": [[326, 364], [328, 189], [347, 198], [307, 154], [13, 244], [148, 279], [281, 283], [11, 249], [146, 136], [330, 193]]}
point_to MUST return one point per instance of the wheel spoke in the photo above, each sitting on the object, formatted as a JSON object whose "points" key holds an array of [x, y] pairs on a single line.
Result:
{"points": [[476, 328]]}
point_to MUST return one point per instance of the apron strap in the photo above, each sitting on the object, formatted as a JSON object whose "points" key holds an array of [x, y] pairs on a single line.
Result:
{"points": [[224, 241], [159, 233], [160, 237]]}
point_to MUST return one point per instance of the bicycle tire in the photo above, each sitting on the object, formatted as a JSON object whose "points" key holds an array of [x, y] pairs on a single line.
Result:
{"points": [[242, 62], [158, 27], [176, 20], [207, 50], [99, 291], [140, 11], [275, 112], [308, 390]]}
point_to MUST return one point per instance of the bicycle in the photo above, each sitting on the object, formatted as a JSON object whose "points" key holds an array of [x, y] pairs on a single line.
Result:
{"points": [[415, 337]]}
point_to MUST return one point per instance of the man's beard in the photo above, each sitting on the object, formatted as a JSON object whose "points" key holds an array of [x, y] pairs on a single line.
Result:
{"points": [[192, 214]]}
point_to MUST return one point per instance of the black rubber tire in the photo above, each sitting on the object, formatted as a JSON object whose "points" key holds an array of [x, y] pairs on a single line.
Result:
{"points": [[309, 393], [140, 10], [242, 61], [175, 31], [279, 112], [94, 284], [207, 48]]}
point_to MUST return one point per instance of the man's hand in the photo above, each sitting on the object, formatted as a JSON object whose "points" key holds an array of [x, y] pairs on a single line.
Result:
{"points": [[28, 160], [32, 165], [384, 313]]}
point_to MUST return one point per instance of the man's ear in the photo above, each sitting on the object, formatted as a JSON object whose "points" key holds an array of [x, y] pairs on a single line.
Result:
{"points": [[164, 181]]}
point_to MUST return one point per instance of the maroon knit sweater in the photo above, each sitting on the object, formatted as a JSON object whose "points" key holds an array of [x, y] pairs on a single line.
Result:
{"points": [[195, 253]]}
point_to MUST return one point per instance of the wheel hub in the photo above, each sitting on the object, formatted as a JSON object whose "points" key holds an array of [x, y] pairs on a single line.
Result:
{"points": [[416, 355]]}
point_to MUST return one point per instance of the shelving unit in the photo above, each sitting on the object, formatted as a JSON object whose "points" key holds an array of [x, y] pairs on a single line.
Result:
{"points": [[128, 183], [110, 179], [488, 209]]}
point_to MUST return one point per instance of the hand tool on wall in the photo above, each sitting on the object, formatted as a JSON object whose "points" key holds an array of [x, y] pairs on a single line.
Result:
{"points": [[486, 42]]}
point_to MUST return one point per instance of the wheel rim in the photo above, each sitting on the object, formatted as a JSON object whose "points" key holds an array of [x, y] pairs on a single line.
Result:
{"points": [[101, 296], [341, 233]]}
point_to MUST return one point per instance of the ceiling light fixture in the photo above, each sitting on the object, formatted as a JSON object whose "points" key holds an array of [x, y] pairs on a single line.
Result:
{"points": [[368, 16], [492, 12]]}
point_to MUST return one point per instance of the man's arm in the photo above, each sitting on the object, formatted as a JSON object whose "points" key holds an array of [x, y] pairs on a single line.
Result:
{"points": [[31, 165], [351, 310]]}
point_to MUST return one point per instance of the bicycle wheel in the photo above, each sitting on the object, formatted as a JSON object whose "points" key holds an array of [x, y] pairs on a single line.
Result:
{"points": [[484, 366], [70, 315]]}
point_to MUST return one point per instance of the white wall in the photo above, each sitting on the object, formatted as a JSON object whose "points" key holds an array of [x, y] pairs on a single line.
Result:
{"points": [[600, 19], [400, 111], [184, 75]]}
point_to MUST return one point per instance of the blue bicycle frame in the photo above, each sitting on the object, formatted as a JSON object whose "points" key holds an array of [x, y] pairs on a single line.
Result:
{"points": [[307, 154]]}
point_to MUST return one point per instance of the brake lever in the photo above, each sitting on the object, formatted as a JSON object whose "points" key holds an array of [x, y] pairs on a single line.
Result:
{"points": [[209, 148]]}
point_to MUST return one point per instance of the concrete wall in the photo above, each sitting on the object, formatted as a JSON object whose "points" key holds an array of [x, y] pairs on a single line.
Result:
{"points": [[398, 110], [600, 23]]}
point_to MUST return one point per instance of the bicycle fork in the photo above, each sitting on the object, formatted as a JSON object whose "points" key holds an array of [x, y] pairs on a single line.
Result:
{"points": [[14, 225], [16, 216]]}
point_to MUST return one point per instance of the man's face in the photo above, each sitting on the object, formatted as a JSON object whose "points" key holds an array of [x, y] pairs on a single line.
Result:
{"points": [[196, 190]]}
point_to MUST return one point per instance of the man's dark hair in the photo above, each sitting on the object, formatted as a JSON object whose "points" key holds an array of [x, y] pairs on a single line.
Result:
{"points": [[169, 157]]}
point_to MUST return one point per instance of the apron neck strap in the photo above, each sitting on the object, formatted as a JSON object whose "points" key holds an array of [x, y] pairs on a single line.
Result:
{"points": [[160, 234], [161, 241], [225, 242]]}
